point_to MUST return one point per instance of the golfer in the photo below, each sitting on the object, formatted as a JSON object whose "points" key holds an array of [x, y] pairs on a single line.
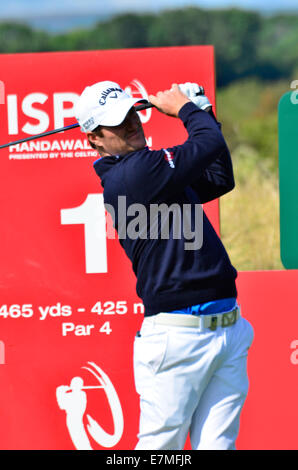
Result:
{"points": [[190, 354]]}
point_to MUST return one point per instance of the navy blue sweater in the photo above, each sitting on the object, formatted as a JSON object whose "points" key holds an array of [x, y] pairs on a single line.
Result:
{"points": [[169, 276]]}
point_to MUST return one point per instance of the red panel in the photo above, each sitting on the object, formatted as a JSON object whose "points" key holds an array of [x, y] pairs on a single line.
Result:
{"points": [[43, 259], [270, 414]]}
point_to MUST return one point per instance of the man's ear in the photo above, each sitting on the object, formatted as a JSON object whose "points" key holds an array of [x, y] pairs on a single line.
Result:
{"points": [[94, 138]]}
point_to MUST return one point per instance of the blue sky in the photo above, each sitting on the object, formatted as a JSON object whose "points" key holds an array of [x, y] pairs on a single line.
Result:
{"points": [[20, 8]]}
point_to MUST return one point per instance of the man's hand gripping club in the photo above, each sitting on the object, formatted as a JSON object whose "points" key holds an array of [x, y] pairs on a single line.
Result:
{"points": [[169, 101]]}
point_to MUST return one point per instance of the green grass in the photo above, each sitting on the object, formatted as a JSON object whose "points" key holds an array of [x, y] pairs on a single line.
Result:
{"points": [[250, 213]]}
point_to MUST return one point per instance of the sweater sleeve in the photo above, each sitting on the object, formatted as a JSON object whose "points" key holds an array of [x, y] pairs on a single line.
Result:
{"points": [[153, 176], [218, 178]]}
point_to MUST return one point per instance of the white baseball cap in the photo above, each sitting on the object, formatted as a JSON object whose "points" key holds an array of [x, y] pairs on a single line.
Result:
{"points": [[105, 104]]}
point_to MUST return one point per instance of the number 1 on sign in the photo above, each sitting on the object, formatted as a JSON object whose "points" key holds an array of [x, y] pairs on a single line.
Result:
{"points": [[92, 215]]}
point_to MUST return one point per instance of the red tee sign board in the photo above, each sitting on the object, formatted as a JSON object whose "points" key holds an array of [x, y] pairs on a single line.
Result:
{"points": [[68, 306]]}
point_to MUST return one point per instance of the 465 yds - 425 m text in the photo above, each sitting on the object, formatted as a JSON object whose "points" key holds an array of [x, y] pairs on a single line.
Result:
{"points": [[99, 309]]}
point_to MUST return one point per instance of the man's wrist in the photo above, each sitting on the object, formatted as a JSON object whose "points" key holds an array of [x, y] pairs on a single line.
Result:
{"points": [[181, 105], [184, 110]]}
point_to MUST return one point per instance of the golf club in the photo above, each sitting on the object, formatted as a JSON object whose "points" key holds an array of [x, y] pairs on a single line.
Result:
{"points": [[140, 107]]}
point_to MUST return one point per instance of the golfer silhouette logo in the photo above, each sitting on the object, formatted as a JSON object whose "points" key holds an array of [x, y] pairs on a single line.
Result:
{"points": [[73, 399]]}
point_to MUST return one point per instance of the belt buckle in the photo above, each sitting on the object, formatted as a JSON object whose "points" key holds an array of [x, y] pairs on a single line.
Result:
{"points": [[229, 318], [213, 325]]}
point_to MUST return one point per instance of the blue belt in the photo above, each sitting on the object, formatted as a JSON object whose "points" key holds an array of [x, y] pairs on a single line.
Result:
{"points": [[207, 308]]}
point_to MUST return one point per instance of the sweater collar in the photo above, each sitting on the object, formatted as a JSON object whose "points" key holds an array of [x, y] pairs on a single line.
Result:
{"points": [[104, 164]]}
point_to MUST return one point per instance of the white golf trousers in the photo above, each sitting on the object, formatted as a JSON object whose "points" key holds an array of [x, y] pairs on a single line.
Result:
{"points": [[191, 381]]}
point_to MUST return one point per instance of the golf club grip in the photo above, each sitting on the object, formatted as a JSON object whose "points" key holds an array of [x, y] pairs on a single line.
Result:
{"points": [[140, 107]]}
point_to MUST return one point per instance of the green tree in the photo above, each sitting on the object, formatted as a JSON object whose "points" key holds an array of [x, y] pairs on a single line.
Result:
{"points": [[122, 31], [183, 27], [234, 34], [15, 37], [278, 43], [246, 43], [125, 31]]}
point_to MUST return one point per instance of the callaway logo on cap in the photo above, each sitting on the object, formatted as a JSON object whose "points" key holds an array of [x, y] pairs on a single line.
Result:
{"points": [[111, 93], [105, 104]]}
